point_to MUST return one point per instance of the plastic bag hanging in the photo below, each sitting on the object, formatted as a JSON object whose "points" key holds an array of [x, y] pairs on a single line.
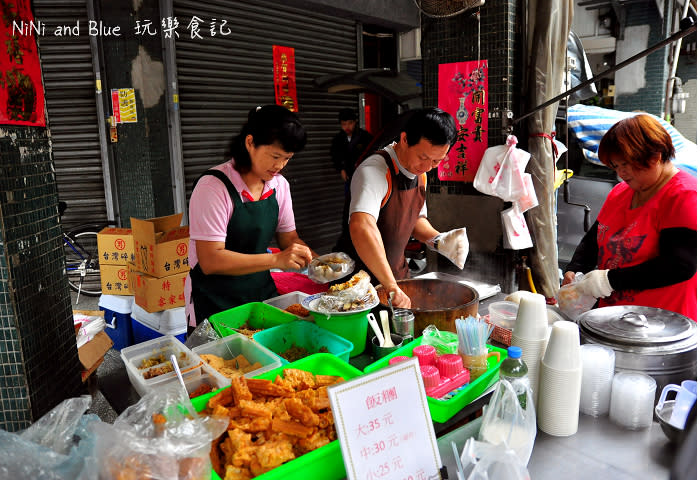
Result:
{"points": [[501, 172]]}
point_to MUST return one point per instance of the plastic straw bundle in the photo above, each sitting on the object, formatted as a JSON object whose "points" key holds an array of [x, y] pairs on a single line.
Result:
{"points": [[473, 334]]}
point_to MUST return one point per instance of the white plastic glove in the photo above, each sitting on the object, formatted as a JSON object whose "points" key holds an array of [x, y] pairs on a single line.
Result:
{"points": [[595, 283], [453, 245]]}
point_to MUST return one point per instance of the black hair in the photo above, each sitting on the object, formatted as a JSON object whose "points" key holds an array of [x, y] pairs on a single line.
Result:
{"points": [[270, 124], [435, 125], [346, 114]]}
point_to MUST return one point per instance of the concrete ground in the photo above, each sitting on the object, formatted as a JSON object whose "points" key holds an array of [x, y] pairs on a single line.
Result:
{"points": [[100, 406]]}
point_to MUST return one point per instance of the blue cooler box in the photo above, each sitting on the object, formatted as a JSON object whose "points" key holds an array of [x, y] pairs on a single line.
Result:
{"points": [[117, 310], [147, 326]]}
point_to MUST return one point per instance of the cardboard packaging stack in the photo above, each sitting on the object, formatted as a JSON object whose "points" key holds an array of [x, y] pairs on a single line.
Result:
{"points": [[161, 264], [116, 250]]}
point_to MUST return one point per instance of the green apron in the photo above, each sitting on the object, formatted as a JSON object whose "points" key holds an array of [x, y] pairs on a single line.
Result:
{"points": [[250, 230]]}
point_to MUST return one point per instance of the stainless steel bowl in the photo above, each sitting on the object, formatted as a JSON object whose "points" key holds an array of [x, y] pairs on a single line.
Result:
{"points": [[663, 415]]}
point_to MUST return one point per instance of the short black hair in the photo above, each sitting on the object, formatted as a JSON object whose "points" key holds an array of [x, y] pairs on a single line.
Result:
{"points": [[346, 114], [435, 125], [268, 125]]}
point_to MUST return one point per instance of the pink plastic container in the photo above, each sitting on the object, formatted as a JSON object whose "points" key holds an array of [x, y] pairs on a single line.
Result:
{"points": [[425, 354], [398, 359]]}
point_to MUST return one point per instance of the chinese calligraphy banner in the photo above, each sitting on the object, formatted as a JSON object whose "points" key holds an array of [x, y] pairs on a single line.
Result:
{"points": [[21, 90], [285, 77], [463, 92]]}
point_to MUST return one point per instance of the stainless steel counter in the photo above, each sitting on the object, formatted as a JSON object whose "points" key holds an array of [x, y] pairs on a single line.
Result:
{"points": [[599, 450]]}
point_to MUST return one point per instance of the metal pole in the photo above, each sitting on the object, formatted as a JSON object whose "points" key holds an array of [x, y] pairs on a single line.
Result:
{"points": [[672, 74], [676, 36]]}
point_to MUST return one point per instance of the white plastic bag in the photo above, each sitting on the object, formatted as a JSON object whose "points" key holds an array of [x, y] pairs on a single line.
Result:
{"points": [[330, 267], [505, 421], [571, 301], [516, 235], [529, 200], [501, 171]]}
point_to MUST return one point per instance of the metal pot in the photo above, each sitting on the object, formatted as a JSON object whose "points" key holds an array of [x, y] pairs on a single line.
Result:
{"points": [[657, 342], [436, 302]]}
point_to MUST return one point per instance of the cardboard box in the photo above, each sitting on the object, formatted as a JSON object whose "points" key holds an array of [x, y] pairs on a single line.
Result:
{"points": [[115, 246], [92, 353], [115, 280], [131, 272], [160, 245], [155, 294]]}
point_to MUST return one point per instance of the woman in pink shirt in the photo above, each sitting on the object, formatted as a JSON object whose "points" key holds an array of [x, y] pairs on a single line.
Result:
{"points": [[236, 209]]}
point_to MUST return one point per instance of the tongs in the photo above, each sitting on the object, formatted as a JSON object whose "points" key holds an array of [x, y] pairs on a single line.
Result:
{"points": [[372, 320]]}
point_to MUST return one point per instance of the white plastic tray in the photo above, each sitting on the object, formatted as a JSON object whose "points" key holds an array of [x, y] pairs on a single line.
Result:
{"points": [[283, 301], [189, 362], [235, 345]]}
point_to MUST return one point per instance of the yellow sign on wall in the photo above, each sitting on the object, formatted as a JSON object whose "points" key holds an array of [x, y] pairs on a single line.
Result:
{"points": [[127, 105]]}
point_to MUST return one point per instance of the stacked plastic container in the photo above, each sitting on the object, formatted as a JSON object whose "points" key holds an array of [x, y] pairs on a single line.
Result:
{"points": [[234, 345], [147, 326]]}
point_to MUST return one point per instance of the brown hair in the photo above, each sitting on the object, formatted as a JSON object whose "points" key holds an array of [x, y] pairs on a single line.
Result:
{"points": [[636, 139]]}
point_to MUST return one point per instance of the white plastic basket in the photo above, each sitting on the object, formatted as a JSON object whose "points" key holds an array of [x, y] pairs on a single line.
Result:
{"points": [[283, 301]]}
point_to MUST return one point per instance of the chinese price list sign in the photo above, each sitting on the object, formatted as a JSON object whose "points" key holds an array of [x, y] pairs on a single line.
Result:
{"points": [[384, 425]]}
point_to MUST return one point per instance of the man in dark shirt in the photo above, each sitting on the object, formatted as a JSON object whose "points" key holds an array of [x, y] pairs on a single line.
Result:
{"points": [[348, 144]]}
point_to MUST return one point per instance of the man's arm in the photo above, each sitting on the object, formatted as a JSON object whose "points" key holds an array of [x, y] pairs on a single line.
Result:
{"points": [[424, 231], [370, 247]]}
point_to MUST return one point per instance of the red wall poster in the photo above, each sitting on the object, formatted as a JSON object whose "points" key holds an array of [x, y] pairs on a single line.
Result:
{"points": [[21, 89], [463, 92], [285, 77]]}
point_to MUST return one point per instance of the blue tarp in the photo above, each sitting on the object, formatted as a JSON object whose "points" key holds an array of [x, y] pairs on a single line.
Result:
{"points": [[589, 124]]}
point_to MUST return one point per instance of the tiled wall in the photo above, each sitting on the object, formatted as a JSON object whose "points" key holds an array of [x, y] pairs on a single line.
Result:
{"points": [[38, 353]]}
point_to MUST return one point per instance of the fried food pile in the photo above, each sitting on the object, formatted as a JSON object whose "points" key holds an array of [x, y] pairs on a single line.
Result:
{"points": [[297, 310], [236, 367], [355, 294], [271, 422], [159, 365]]}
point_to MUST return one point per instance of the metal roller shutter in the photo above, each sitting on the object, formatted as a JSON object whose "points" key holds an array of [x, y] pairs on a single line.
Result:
{"points": [[69, 85], [221, 78]]}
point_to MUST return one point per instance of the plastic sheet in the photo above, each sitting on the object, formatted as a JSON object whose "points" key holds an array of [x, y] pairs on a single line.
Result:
{"points": [[155, 439], [358, 295], [443, 342], [58, 446]]}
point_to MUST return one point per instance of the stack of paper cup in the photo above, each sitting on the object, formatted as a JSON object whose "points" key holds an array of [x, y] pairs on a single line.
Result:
{"points": [[632, 400], [560, 381], [530, 334], [598, 364]]}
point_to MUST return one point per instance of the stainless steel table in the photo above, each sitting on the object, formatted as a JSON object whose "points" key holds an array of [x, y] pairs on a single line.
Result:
{"points": [[599, 450]]}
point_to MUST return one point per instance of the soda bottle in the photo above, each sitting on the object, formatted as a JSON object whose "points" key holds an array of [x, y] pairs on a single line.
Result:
{"points": [[514, 370]]}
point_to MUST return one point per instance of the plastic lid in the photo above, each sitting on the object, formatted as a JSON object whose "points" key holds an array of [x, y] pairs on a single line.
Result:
{"points": [[515, 352]]}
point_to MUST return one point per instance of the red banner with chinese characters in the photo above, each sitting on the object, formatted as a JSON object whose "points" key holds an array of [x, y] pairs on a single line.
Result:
{"points": [[21, 90], [285, 77], [463, 92]]}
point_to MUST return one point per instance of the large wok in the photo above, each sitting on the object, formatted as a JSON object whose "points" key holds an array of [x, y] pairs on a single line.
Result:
{"points": [[436, 302]]}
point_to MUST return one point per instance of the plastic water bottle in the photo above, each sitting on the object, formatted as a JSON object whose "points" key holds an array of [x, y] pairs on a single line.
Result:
{"points": [[514, 370]]}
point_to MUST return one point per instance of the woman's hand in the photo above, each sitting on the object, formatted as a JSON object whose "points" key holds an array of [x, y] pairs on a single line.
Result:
{"points": [[294, 257], [400, 300], [568, 278]]}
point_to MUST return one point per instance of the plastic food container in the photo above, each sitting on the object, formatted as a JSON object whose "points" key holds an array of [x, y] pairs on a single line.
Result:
{"points": [[283, 301], [306, 335], [443, 410], [237, 344], [324, 462], [190, 364], [257, 314], [503, 314]]}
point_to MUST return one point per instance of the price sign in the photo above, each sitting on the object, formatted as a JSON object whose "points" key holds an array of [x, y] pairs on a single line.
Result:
{"points": [[384, 425]]}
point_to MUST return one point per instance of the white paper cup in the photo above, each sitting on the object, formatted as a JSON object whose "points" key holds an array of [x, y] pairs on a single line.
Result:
{"points": [[563, 350], [558, 401], [531, 321]]}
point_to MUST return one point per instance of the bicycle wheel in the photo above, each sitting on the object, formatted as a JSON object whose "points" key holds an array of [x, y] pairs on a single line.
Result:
{"points": [[83, 262]]}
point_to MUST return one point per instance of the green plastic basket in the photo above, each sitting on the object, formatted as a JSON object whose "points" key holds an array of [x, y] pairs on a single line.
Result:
{"points": [[306, 335], [351, 327], [325, 462], [443, 410], [257, 314]]}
